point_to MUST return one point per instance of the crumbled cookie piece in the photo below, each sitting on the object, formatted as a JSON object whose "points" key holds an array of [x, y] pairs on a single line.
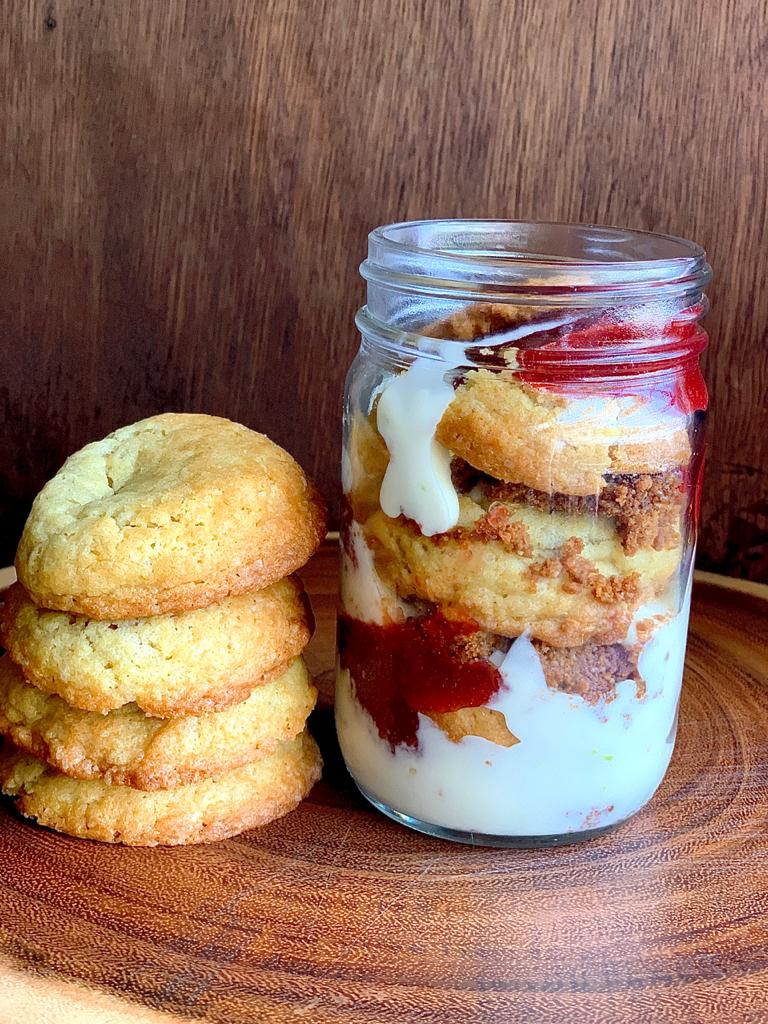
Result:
{"points": [[614, 589], [578, 569], [464, 476], [481, 320], [546, 568], [497, 524], [473, 645], [487, 723], [647, 507], [590, 671], [647, 627], [581, 574]]}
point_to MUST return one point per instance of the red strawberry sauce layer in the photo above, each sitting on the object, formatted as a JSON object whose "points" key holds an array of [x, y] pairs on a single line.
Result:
{"points": [[626, 358], [402, 668]]}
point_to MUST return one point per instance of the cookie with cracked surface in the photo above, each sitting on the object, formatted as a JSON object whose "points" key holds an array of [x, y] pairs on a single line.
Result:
{"points": [[553, 443], [200, 812], [179, 663], [510, 568], [128, 748], [171, 513]]}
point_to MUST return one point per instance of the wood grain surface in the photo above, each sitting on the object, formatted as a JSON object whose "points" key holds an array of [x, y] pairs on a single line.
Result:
{"points": [[336, 914], [186, 188]]}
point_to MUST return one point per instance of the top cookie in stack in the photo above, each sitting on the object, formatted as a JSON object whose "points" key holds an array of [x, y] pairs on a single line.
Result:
{"points": [[171, 513], [154, 579]]}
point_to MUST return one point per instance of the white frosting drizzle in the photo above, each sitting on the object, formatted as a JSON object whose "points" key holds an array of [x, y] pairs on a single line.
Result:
{"points": [[417, 482]]}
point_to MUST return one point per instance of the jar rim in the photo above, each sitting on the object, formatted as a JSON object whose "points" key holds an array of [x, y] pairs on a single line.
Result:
{"points": [[653, 358], [545, 261]]}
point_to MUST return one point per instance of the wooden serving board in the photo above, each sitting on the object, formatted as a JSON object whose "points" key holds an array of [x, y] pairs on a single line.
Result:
{"points": [[336, 914]]}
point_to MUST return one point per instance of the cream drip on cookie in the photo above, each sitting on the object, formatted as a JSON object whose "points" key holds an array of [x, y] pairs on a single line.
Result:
{"points": [[417, 482]]}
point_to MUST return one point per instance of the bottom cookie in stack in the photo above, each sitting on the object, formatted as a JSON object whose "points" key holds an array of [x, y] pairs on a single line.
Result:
{"points": [[200, 812], [127, 778]]}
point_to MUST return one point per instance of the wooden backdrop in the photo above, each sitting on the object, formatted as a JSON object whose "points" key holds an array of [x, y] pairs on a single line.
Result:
{"points": [[186, 187]]}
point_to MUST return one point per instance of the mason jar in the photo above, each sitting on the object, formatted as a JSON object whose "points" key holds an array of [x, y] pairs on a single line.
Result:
{"points": [[522, 457]]}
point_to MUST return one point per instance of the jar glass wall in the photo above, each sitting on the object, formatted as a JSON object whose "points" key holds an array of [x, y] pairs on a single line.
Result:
{"points": [[521, 469]]}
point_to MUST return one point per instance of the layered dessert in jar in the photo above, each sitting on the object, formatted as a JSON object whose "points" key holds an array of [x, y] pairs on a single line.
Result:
{"points": [[520, 492]]}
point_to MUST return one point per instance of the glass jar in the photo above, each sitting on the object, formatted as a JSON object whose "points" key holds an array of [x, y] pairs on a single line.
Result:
{"points": [[522, 458]]}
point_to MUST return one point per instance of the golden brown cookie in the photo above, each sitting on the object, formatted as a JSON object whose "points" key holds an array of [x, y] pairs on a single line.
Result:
{"points": [[481, 319], [565, 577], [364, 462], [167, 514], [127, 748], [200, 812], [552, 443], [486, 723], [179, 663]]}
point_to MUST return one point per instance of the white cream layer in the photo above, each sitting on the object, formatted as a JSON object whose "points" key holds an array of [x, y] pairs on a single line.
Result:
{"points": [[577, 766]]}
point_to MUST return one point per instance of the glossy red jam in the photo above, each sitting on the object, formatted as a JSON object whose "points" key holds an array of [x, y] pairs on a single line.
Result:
{"points": [[417, 665], [544, 362]]}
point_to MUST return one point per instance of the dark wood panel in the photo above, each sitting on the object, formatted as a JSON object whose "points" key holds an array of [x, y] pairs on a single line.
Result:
{"points": [[336, 915], [186, 188]]}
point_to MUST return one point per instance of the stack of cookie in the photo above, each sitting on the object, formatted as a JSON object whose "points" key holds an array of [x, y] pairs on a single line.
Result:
{"points": [[154, 691]]}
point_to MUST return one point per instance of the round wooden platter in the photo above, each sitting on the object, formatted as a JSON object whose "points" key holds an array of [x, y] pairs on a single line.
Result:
{"points": [[337, 914]]}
